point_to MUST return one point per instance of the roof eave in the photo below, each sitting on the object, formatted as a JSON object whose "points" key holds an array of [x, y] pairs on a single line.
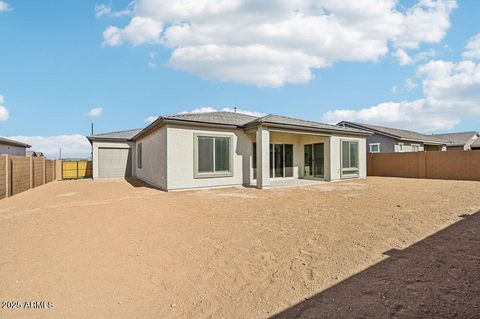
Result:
{"points": [[308, 128]]}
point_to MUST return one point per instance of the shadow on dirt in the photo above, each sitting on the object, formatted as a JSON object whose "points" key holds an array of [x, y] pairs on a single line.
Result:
{"points": [[438, 277]]}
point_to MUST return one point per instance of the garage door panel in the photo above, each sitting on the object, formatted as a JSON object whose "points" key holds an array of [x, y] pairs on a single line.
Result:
{"points": [[114, 162]]}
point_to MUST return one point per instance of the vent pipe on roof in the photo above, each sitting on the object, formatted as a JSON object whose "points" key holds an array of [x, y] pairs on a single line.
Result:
{"points": [[235, 109]]}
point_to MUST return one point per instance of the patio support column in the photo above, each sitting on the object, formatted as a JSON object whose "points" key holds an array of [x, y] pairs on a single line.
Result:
{"points": [[263, 157]]}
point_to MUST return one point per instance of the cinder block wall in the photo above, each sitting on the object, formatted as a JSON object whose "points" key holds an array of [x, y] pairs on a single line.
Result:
{"points": [[456, 165], [20, 168], [3, 177], [20, 173]]}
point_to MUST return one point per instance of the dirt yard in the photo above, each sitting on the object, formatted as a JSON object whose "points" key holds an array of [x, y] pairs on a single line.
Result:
{"points": [[112, 249]]}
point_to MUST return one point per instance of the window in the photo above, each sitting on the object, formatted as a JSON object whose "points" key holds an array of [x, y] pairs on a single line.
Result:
{"points": [[375, 148], [415, 148], [213, 156], [349, 158], [139, 155], [400, 147]]}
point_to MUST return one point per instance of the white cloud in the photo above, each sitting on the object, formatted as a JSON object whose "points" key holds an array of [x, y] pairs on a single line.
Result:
{"points": [[95, 112], [4, 114], [410, 85], [405, 59], [73, 146], [106, 10], [225, 109], [150, 119], [473, 48], [139, 31], [4, 6], [270, 43], [451, 93]]}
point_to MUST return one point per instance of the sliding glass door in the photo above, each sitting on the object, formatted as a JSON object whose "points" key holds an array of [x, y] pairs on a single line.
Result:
{"points": [[281, 160], [314, 160]]}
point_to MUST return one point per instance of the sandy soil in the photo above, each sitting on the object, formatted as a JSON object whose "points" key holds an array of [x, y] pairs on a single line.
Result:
{"points": [[112, 249]]}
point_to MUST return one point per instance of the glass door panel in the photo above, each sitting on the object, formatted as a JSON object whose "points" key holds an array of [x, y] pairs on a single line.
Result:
{"points": [[278, 150], [308, 160], [318, 160], [288, 150]]}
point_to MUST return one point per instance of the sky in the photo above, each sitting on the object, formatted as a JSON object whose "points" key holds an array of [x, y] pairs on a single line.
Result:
{"points": [[120, 63]]}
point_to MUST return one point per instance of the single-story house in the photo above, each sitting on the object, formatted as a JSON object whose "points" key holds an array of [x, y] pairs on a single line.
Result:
{"points": [[459, 141], [11, 147], [196, 150], [388, 140]]}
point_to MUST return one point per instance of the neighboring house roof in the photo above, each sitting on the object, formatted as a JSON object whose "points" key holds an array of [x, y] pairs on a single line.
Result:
{"points": [[119, 135], [35, 154], [457, 139], [400, 134], [232, 119], [7, 141], [476, 144]]}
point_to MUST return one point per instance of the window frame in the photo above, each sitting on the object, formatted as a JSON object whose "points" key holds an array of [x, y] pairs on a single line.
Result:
{"points": [[346, 173], [375, 144], [140, 155], [415, 145], [401, 147], [214, 174]]}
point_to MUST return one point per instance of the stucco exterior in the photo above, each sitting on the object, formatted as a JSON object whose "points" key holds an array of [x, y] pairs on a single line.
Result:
{"points": [[110, 144], [154, 158], [12, 150], [180, 157]]}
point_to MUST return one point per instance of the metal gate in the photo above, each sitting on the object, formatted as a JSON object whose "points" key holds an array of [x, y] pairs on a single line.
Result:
{"points": [[75, 169]]}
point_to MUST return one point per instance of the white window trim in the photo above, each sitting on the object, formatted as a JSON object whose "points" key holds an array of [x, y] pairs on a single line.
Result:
{"points": [[196, 173], [375, 144], [418, 145], [344, 172], [401, 147]]}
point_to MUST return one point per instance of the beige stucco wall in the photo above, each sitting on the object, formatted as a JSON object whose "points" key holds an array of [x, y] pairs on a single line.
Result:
{"points": [[336, 156], [154, 158], [12, 150], [180, 157], [97, 145]]}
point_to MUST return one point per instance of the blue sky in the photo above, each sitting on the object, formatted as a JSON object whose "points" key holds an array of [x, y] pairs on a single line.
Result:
{"points": [[58, 62]]}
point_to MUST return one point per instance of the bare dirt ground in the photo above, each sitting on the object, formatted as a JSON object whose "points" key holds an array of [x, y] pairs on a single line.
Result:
{"points": [[112, 249]]}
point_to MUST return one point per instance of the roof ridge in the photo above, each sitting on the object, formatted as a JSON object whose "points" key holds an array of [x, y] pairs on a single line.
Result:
{"points": [[122, 131]]}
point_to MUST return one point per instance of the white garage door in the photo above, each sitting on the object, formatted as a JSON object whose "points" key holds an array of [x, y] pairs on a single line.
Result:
{"points": [[114, 162]]}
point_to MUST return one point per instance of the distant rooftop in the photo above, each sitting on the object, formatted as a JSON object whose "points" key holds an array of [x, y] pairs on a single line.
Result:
{"points": [[457, 139], [396, 133], [7, 141]]}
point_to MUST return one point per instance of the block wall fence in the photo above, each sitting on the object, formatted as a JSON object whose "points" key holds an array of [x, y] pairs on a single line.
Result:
{"points": [[454, 165], [21, 173]]}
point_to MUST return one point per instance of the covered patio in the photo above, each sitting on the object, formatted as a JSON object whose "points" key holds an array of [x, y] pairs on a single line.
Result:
{"points": [[285, 157]]}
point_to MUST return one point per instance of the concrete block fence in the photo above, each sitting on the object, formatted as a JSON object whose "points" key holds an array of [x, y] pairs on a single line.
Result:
{"points": [[21, 173]]}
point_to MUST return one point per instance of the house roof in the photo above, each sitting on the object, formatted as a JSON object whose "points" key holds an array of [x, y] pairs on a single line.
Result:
{"points": [[222, 118], [396, 133], [229, 119], [244, 121], [7, 141], [289, 121], [476, 144], [119, 135], [457, 139]]}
